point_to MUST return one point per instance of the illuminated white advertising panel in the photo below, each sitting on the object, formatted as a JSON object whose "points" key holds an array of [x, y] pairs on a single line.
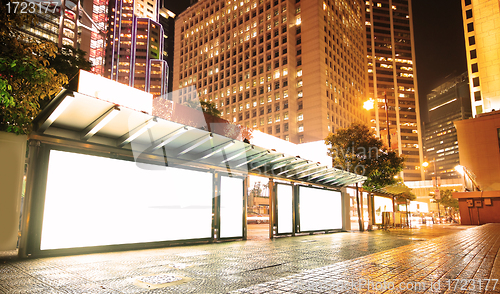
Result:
{"points": [[285, 208], [92, 201], [381, 204], [115, 92], [231, 207], [319, 209]]}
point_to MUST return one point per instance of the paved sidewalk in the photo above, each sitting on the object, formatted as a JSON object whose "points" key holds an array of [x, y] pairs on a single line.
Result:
{"points": [[465, 262], [304, 264]]}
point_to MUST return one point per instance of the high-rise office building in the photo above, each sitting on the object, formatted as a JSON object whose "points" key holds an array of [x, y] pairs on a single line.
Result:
{"points": [[59, 22], [98, 35], [168, 23], [135, 46], [392, 80], [447, 103], [482, 43], [293, 69]]}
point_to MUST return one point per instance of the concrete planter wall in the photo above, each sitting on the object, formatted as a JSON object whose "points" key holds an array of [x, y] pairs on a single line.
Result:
{"points": [[12, 158]]}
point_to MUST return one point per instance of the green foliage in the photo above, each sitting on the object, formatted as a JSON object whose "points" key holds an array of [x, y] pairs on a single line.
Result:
{"points": [[26, 77], [205, 106], [356, 149], [447, 199], [209, 107], [69, 61]]}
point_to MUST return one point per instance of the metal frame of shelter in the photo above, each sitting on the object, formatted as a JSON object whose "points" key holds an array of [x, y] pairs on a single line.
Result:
{"points": [[84, 124]]}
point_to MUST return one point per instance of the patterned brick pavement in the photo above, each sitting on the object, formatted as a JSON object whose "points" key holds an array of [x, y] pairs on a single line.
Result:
{"points": [[303, 264], [464, 262]]}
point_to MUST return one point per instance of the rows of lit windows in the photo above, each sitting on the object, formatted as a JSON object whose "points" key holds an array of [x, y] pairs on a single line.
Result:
{"points": [[343, 71], [232, 62]]}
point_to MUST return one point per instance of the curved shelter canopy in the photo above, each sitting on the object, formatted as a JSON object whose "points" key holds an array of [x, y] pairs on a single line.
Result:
{"points": [[92, 120]]}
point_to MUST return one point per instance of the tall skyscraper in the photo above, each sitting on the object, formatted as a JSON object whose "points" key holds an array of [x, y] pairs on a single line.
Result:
{"points": [[168, 23], [392, 80], [98, 35], [135, 46], [59, 22], [482, 43], [295, 69], [447, 103]]}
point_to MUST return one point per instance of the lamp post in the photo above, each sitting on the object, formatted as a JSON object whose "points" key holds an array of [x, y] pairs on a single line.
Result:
{"points": [[370, 104], [435, 185]]}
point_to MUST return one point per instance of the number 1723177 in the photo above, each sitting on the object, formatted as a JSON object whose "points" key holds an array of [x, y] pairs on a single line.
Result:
{"points": [[39, 7]]}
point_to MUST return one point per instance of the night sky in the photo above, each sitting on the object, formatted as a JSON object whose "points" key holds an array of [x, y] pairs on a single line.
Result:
{"points": [[439, 42]]}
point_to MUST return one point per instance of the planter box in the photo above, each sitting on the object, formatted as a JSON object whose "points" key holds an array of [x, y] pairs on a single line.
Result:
{"points": [[12, 159]]}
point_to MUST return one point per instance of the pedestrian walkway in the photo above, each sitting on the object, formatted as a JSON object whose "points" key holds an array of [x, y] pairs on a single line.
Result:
{"points": [[303, 264]]}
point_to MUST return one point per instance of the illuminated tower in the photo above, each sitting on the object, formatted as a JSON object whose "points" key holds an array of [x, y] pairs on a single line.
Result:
{"points": [[135, 46], [392, 80]]}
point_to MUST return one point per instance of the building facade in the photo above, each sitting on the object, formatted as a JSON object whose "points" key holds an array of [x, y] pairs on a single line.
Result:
{"points": [[59, 22], [292, 69], [447, 103], [392, 80], [135, 46], [168, 24], [482, 43]]}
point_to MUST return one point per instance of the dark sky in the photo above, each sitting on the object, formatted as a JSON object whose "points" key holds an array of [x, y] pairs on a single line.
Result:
{"points": [[439, 42]]}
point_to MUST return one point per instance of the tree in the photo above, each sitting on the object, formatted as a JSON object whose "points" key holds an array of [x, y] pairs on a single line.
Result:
{"points": [[69, 60], [26, 77], [356, 149], [446, 199]]}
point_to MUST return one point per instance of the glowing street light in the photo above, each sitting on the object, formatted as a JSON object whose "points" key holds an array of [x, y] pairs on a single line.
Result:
{"points": [[369, 104], [460, 170]]}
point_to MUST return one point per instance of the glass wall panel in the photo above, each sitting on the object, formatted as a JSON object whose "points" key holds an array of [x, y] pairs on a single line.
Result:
{"points": [[381, 204], [285, 208], [231, 207], [92, 201], [319, 209]]}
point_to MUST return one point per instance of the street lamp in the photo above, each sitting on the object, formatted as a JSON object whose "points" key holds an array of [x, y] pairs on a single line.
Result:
{"points": [[369, 105]]}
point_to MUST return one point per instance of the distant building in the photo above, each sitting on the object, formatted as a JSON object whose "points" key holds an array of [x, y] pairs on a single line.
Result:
{"points": [[482, 41], [447, 103], [168, 24], [392, 80], [62, 22], [292, 69], [134, 49], [98, 34]]}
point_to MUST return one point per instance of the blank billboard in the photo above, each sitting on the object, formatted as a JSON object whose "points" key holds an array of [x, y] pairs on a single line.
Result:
{"points": [[285, 208], [231, 207], [92, 201], [319, 209]]}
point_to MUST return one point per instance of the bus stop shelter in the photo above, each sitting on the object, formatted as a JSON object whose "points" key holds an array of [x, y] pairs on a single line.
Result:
{"points": [[105, 174]]}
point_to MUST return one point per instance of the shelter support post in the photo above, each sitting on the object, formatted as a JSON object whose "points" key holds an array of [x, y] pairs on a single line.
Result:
{"points": [[216, 207], [370, 211], [272, 208], [245, 197]]}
